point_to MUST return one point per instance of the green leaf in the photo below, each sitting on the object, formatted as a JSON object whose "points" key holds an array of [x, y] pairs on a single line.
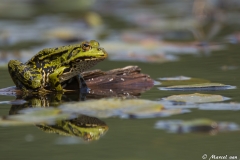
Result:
{"points": [[196, 98]]}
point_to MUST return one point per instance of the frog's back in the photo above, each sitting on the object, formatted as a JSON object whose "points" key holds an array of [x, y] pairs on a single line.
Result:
{"points": [[49, 53]]}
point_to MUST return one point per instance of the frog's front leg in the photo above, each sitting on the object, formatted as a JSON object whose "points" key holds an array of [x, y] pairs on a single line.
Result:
{"points": [[54, 78], [83, 88], [82, 83], [24, 76]]}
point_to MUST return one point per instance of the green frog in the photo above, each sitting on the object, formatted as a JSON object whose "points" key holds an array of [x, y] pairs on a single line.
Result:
{"points": [[51, 68]]}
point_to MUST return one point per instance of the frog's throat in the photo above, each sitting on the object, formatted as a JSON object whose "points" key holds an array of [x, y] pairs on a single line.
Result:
{"points": [[78, 67]]}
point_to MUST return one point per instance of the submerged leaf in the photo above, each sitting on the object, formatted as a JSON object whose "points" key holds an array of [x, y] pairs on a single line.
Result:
{"points": [[196, 98], [196, 125], [203, 87]]}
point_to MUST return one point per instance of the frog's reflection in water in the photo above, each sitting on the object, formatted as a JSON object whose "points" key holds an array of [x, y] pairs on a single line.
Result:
{"points": [[88, 128], [85, 127]]}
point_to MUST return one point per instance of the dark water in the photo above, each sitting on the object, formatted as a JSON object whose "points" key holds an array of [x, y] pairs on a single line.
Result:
{"points": [[137, 139]]}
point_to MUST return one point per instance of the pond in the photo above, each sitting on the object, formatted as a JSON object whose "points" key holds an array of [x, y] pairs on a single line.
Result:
{"points": [[131, 137]]}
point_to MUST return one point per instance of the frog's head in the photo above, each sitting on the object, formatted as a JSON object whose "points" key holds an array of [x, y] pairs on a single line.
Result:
{"points": [[87, 133], [88, 51], [86, 55], [67, 128]]}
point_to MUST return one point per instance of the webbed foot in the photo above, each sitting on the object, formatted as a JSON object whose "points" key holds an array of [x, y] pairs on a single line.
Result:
{"points": [[83, 88]]}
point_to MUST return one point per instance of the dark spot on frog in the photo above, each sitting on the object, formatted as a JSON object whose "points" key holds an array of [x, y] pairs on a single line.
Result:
{"points": [[69, 56], [66, 70], [34, 72], [57, 84], [29, 81]]}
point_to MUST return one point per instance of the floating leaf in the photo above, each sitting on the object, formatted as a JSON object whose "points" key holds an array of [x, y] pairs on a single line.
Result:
{"points": [[177, 78], [196, 98], [220, 106], [196, 125], [6, 122], [35, 115], [181, 80], [199, 87], [134, 108]]}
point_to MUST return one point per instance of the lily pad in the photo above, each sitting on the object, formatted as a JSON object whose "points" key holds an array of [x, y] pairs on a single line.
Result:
{"points": [[196, 125], [199, 87], [133, 108], [196, 98]]}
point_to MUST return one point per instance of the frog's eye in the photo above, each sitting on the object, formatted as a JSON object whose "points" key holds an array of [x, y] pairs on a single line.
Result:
{"points": [[86, 46], [76, 131]]}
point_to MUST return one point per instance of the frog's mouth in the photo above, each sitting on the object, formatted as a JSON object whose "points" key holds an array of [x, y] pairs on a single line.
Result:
{"points": [[89, 58]]}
